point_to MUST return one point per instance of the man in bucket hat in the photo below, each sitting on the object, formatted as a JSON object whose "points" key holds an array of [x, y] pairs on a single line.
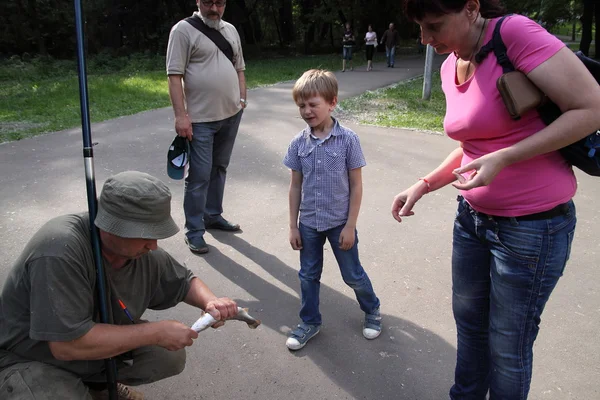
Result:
{"points": [[51, 343]]}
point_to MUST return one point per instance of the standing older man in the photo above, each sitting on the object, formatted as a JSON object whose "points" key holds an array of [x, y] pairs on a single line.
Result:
{"points": [[51, 343], [207, 112]]}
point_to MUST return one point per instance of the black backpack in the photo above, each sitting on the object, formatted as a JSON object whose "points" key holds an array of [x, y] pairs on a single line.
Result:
{"points": [[583, 154]]}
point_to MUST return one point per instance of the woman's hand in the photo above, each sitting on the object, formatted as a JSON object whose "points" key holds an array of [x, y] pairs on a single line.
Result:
{"points": [[404, 201], [482, 171]]}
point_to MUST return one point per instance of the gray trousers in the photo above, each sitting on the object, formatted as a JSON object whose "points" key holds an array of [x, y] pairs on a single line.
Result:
{"points": [[210, 152], [35, 380]]}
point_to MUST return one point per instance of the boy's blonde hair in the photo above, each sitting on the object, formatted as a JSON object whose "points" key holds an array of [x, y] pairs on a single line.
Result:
{"points": [[316, 82]]}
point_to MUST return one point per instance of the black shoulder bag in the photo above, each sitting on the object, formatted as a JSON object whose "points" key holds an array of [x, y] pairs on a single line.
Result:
{"points": [[213, 35], [583, 154]]}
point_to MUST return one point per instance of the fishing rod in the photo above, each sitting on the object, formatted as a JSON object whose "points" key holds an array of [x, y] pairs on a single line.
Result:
{"points": [[88, 158]]}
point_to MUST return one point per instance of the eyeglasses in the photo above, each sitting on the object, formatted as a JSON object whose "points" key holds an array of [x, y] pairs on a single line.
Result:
{"points": [[218, 3]]}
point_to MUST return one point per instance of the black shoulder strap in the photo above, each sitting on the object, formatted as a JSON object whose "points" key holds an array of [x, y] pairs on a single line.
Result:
{"points": [[213, 35], [498, 47]]}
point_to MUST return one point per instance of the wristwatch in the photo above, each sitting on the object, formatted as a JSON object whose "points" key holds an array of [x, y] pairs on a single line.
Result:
{"points": [[244, 102]]}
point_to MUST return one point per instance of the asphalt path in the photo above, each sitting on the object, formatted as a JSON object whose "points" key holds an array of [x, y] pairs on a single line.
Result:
{"points": [[409, 263]]}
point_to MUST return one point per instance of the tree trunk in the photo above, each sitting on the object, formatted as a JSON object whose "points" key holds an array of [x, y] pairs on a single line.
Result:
{"points": [[286, 19], [257, 29], [307, 7], [597, 22], [331, 39], [184, 7], [276, 26], [309, 37], [247, 19], [586, 26], [34, 24], [21, 28], [325, 28]]}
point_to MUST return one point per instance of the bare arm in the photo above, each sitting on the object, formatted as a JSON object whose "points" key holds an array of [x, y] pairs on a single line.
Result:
{"points": [[294, 199], [348, 234], [356, 192], [105, 340], [183, 124], [243, 92], [438, 178], [442, 175], [199, 295], [566, 81]]}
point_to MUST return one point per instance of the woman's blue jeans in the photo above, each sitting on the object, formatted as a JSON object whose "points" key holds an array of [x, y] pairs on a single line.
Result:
{"points": [[311, 266], [503, 272]]}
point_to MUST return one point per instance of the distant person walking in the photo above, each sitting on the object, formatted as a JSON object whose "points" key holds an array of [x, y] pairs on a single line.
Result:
{"points": [[420, 45], [371, 44], [391, 38], [348, 43]]}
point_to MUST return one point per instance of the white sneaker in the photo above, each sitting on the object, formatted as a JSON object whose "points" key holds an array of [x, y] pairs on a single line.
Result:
{"points": [[370, 334], [372, 326], [301, 335]]}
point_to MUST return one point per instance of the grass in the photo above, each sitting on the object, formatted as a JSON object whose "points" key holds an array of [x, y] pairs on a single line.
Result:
{"points": [[399, 106], [42, 95], [566, 30], [575, 47]]}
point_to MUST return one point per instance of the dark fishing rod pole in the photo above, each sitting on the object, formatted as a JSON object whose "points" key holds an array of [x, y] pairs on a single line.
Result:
{"points": [[90, 180]]}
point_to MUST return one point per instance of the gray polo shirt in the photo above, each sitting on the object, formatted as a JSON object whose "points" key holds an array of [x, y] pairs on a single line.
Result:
{"points": [[325, 165], [211, 84]]}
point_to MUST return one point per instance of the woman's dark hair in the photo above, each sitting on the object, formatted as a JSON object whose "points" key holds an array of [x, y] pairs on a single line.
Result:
{"points": [[418, 9]]}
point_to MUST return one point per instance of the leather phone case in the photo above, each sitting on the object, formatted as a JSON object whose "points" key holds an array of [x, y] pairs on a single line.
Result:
{"points": [[519, 93]]}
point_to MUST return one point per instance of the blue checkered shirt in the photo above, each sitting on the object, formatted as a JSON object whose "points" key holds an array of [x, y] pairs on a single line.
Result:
{"points": [[325, 166]]}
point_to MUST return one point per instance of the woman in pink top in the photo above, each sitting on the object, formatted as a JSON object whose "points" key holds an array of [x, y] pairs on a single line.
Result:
{"points": [[515, 220]]}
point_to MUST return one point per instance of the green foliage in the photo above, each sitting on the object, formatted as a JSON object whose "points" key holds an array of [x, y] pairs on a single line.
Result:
{"points": [[119, 28], [575, 47], [549, 12], [43, 95]]}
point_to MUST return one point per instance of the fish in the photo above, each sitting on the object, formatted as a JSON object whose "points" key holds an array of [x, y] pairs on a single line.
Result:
{"points": [[207, 320]]}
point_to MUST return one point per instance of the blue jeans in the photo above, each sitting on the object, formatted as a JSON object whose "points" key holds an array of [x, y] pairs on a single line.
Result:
{"points": [[390, 54], [503, 272], [210, 152], [311, 266], [347, 52]]}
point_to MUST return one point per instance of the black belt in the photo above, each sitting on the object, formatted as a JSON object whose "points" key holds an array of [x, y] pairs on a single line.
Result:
{"points": [[560, 209]]}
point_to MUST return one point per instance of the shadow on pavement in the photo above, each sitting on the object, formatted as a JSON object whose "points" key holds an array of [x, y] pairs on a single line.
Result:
{"points": [[406, 361]]}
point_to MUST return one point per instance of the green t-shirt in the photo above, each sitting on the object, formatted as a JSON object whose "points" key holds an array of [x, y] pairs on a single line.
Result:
{"points": [[50, 294]]}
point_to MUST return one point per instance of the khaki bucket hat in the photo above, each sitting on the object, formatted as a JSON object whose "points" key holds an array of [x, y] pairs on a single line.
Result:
{"points": [[136, 205]]}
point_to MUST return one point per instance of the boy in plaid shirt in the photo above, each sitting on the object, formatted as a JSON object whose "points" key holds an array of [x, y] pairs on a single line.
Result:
{"points": [[325, 196]]}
